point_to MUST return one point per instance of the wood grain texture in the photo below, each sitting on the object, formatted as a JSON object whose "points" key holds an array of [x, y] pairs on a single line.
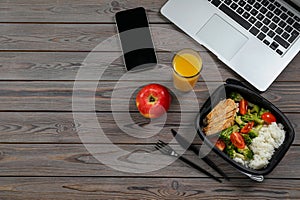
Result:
{"points": [[43, 46], [84, 37], [65, 66], [57, 127], [75, 160], [61, 127], [69, 11], [57, 96], [140, 188]]}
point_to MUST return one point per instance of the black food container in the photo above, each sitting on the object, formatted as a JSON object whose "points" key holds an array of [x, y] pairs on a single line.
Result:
{"points": [[252, 96]]}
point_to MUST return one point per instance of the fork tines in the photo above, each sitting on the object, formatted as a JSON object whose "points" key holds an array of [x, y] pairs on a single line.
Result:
{"points": [[164, 148], [162, 143]]}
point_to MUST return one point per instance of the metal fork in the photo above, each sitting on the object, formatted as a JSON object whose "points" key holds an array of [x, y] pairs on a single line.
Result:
{"points": [[167, 150]]}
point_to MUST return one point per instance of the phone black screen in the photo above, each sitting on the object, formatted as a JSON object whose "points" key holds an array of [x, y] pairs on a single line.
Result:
{"points": [[135, 38]]}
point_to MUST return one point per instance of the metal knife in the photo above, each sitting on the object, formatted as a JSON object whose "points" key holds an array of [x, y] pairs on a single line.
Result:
{"points": [[186, 145]]}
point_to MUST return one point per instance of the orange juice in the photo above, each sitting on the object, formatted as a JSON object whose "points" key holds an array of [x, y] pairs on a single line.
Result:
{"points": [[187, 65]]}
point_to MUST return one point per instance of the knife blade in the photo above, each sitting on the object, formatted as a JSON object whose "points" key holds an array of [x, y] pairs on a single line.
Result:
{"points": [[186, 145]]}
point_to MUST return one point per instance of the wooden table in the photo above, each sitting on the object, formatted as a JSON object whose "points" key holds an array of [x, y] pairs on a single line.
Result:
{"points": [[43, 46]]}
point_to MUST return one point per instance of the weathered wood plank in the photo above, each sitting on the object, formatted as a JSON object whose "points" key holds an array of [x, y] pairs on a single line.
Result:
{"points": [[16, 127], [65, 65], [47, 96], [89, 11], [141, 188], [61, 128], [60, 26], [75, 160], [84, 37]]}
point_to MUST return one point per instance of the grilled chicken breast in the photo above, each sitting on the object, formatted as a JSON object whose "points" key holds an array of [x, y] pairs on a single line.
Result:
{"points": [[221, 117]]}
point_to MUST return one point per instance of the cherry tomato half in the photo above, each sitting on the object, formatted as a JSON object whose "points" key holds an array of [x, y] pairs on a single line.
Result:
{"points": [[220, 144], [268, 117], [237, 140], [243, 107], [247, 127]]}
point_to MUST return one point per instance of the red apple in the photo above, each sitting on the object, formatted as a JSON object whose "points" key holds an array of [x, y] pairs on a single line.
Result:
{"points": [[153, 100]]}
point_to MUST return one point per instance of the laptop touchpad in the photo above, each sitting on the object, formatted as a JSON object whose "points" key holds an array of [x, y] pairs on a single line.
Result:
{"points": [[223, 38]]}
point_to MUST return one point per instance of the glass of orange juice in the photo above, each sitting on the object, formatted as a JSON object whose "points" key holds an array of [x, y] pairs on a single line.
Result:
{"points": [[187, 65]]}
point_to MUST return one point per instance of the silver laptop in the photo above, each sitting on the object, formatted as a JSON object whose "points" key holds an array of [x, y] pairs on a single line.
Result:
{"points": [[255, 38]]}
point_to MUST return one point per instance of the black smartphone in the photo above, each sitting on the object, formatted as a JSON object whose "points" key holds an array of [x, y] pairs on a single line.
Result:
{"points": [[136, 40]]}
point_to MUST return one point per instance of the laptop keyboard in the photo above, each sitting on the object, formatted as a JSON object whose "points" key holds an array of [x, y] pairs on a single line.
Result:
{"points": [[268, 20]]}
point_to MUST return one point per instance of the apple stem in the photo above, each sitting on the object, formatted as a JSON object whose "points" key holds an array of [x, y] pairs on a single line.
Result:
{"points": [[152, 99]]}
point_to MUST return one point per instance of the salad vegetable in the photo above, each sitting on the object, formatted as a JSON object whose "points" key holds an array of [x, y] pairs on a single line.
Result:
{"points": [[247, 127], [268, 117], [252, 117], [235, 96], [225, 134], [255, 109], [246, 152], [254, 131], [243, 107], [237, 140], [247, 138], [249, 119], [220, 144], [232, 152]]}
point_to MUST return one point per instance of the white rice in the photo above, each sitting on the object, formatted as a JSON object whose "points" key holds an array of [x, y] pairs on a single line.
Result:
{"points": [[263, 146]]}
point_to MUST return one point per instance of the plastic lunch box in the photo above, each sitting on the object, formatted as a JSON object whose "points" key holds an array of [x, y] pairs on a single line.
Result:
{"points": [[254, 97]]}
